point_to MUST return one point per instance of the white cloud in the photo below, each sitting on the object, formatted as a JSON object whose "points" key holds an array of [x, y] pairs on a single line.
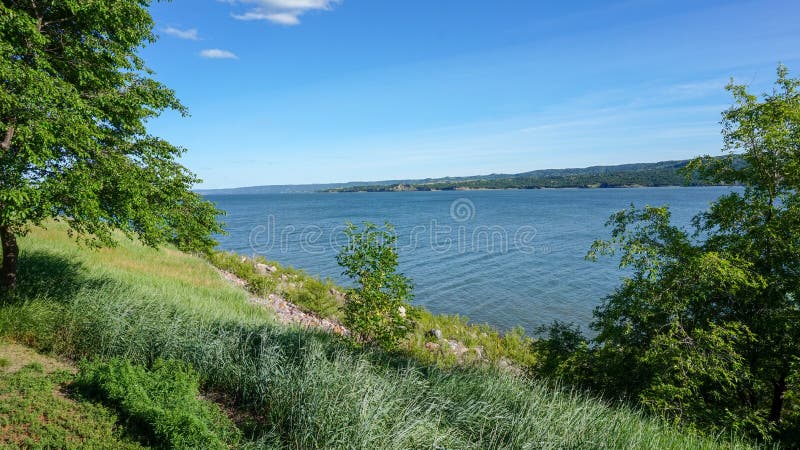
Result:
{"points": [[699, 88], [283, 18], [190, 34], [216, 53], [283, 12]]}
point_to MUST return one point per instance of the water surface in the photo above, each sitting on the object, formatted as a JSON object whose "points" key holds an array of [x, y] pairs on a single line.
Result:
{"points": [[508, 258]]}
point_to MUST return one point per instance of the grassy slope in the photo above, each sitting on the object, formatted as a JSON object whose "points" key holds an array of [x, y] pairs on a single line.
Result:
{"points": [[310, 390], [34, 412]]}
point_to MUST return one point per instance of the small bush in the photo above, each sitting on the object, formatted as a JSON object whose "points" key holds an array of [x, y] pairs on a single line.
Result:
{"points": [[377, 309], [160, 406]]}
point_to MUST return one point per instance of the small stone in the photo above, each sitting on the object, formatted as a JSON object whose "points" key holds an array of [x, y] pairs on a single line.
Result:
{"points": [[457, 348], [432, 346], [402, 311], [435, 333], [264, 269]]}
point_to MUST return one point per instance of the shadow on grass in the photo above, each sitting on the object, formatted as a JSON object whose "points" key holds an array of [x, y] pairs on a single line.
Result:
{"points": [[51, 276]]}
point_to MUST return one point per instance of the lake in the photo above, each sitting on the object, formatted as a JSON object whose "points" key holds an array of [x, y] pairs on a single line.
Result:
{"points": [[507, 258]]}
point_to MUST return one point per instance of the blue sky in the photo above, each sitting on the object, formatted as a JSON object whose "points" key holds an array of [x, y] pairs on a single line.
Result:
{"points": [[313, 91]]}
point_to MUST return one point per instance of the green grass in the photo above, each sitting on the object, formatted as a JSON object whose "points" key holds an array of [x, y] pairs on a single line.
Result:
{"points": [[161, 406], [308, 389], [35, 413]]}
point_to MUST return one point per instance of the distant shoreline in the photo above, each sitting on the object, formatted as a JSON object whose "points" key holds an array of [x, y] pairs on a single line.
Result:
{"points": [[637, 175], [346, 191]]}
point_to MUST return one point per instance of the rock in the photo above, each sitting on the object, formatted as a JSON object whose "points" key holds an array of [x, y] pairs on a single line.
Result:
{"points": [[457, 348], [402, 311], [435, 333], [264, 269], [244, 259], [432, 346]]}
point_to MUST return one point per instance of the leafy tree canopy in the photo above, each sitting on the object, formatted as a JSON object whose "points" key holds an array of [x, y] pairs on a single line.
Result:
{"points": [[74, 101], [704, 330]]}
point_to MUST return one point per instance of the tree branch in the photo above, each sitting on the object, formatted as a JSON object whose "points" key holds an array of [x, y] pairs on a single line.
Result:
{"points": [[6, 144]]}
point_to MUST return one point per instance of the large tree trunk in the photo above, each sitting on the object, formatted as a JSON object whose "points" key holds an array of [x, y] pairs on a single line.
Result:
{"points": [[8, 272], [779, 391]]}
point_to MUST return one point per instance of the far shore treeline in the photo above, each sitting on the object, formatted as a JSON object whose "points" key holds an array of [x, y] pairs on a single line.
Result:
{"points": [[659, 174]]}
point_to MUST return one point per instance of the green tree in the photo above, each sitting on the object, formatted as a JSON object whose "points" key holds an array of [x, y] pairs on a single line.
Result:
{"points": [[378, 308], [74, 101], [705, 329]]}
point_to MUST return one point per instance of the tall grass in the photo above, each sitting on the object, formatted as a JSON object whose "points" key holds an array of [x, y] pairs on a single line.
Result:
{"points": [[310, 389]]}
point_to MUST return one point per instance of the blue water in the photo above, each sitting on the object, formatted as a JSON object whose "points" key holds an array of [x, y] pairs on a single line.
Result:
{"points": [[507, 258]]}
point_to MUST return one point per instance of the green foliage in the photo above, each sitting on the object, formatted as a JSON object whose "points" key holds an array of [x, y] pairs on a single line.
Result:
{"points": [[74, 101], [33, 414], [304, 389], [259, 284], [704, 330], [314, 295], [160, 405], [378, 308], [560, 352], [486, 343]]}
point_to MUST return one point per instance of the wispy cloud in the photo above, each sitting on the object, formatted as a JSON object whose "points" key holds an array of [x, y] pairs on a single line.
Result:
{"points": [[190, 34], [282, 12], [216, 53], [696, 89]]}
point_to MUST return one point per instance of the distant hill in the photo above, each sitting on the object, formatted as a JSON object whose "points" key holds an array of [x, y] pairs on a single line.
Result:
{"points": [[323, 187], [664, 173]]}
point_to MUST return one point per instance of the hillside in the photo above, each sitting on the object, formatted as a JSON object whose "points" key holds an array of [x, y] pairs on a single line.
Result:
{"points": [[286, 386], [664, 173]]}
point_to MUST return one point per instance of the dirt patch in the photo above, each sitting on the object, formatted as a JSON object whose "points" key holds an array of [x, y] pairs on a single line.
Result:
{"points": [[14, 356]]}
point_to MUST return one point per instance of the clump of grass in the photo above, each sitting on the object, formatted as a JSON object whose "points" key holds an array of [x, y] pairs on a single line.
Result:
{"points": [[160, 405], [4, 363], [513, 347], [36, 367], [315, 296]]}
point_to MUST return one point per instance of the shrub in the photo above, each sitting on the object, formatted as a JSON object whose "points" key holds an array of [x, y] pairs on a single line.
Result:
{"points": [[377, 309], [160, 406]]}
